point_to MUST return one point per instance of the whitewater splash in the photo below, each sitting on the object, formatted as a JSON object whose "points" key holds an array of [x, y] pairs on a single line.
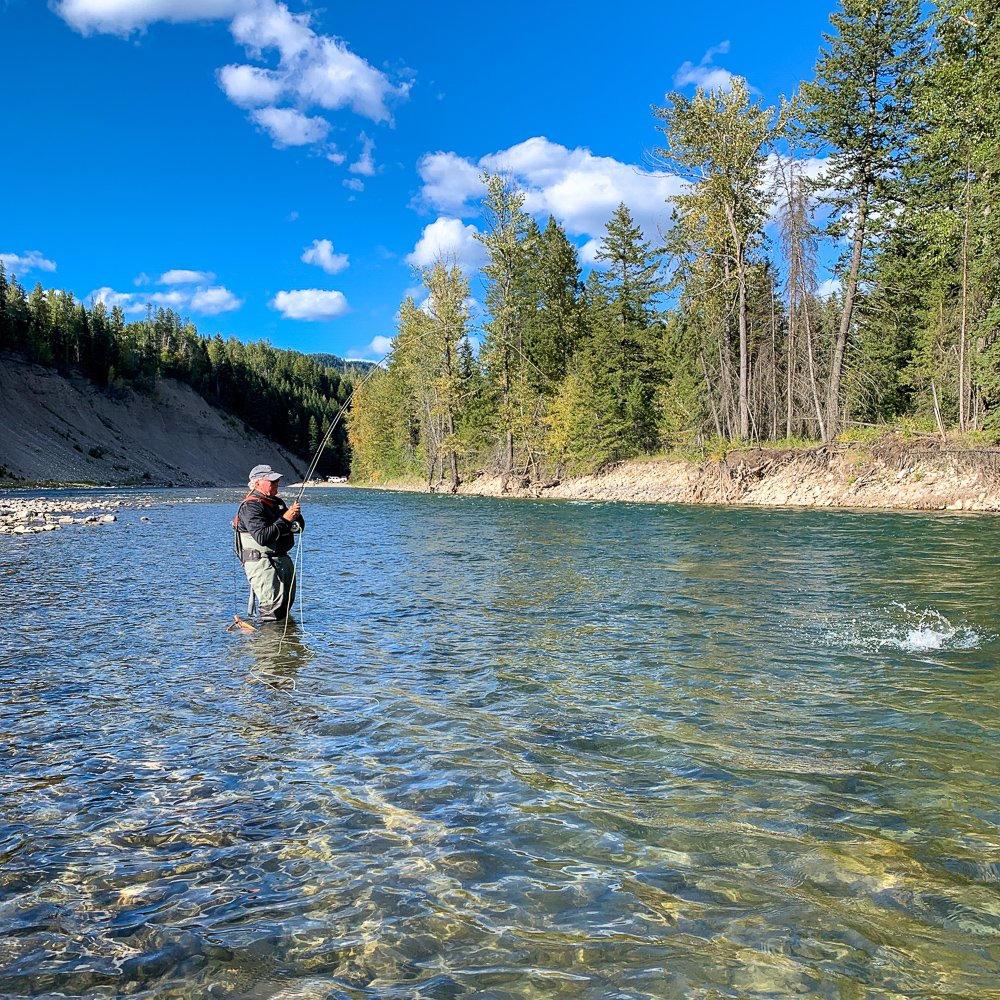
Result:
{"points": [[904, 628]]}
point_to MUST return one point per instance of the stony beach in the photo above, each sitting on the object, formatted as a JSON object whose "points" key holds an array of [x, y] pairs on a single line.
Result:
{"points": [[34, 515]]}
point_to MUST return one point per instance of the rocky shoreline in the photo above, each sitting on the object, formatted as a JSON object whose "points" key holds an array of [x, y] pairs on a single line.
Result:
{"points": [[42, 513], [32, 516], [892, 474]]}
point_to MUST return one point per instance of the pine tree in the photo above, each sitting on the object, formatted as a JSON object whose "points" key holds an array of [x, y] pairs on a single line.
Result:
{"points": [[625, 333], [858, 108], [509, 303], [555, 327], [719, 141]]}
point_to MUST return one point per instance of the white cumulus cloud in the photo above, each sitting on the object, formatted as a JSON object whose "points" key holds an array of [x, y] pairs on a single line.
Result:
{"points": [[251, 86], [214, 300], [293, 67], [179, 276], [580, 189], [320, 253], [588, 253], [288, 127], [705, 75], [128, 301], [450, 183], [187, 291], [310, 304], [122, 17], [175, 300], [380, 346], [29, 260], [364, 164], [450, 241]]}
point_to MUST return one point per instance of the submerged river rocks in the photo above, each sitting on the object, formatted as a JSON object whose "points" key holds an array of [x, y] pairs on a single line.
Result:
{"points": [[504, 750]]}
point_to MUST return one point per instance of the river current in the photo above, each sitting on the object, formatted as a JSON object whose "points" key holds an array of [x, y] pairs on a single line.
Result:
{"points": [[505, 749]]}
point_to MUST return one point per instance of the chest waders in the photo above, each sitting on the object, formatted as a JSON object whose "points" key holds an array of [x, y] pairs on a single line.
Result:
{"points": [[271, 575]]}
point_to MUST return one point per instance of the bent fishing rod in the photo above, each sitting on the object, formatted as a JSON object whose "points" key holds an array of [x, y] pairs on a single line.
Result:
{"points": [[371, 371], [310, 472]]}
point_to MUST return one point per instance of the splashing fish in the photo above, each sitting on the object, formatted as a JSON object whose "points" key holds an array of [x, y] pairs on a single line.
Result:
{"points": [[912, 631]]}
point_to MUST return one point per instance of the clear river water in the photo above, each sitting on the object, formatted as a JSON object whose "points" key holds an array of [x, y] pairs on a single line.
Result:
{"points": [[506, 749]]}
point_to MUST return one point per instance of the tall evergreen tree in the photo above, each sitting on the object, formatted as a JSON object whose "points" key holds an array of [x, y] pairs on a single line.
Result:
{"points": [[719, 141], [509, 303], [620, 364], [556, 324], [858, 110]]}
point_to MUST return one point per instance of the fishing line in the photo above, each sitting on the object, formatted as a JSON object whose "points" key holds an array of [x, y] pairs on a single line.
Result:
{"points": [[310, 472], [327, 437], [333, 426]]}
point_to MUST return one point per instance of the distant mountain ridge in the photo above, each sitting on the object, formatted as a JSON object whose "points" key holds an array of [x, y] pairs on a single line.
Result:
{"points": [[343, 364]]}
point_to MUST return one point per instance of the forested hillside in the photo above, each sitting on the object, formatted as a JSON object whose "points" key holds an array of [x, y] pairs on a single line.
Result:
{"points": [[285, 395], [886, 165]]}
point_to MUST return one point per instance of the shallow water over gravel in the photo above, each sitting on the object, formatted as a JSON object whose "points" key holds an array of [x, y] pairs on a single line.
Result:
{"points": [[508, 749]]}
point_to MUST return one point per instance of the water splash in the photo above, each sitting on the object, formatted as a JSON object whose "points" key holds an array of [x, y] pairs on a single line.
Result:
{"points": [[901, 627]]}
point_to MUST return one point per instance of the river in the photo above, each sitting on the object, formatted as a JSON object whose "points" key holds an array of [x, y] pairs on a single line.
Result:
{"points": [[506, 749]]}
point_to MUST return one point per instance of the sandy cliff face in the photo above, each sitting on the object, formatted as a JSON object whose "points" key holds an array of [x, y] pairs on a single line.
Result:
{"points": [[66, 430]]}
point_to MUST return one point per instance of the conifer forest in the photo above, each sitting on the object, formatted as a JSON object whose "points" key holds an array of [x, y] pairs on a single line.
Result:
{"points": [[290, 397], [886, 165], [883, 171]]}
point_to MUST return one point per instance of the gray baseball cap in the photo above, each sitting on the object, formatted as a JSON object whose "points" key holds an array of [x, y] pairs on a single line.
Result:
{"points": [[263, 472]]}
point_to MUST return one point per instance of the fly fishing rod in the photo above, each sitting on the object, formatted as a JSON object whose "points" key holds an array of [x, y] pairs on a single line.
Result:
{"points": [[311, 471], [313, 465]]}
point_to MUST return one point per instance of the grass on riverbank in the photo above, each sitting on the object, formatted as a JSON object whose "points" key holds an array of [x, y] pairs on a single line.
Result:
{"points": [[862, 438]]}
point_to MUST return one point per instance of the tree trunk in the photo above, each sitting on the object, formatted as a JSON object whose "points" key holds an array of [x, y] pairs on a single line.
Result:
{"points": [[963, 328], [840, 348], [711, 396], [812, 374], [741, 280], [774, 373], [937, 412]]}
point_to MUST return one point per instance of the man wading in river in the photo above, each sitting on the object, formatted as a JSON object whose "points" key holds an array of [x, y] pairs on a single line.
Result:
{"points": [[265, 533]]}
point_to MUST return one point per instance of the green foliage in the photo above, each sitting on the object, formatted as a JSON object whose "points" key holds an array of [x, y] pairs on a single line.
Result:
{"points": [[718, 142], [413, 420], [381, 434], [859, 110], [574, 375]]}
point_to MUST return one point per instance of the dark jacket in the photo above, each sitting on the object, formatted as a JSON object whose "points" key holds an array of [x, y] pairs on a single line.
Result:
{"points": [[261, 518]]}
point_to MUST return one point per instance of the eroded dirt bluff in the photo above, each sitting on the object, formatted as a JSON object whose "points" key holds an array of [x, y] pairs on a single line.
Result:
{"points": [[65, 430], [896, 472]]}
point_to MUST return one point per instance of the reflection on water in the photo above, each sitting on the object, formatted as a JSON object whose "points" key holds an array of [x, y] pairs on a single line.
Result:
{"points": [[504, 749]]}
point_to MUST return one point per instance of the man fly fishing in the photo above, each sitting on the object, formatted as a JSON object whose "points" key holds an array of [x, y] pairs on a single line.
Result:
{"points": [[265, 533]]}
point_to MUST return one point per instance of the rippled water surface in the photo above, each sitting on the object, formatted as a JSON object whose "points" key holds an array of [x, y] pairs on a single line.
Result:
{"points": [[507, 749]]}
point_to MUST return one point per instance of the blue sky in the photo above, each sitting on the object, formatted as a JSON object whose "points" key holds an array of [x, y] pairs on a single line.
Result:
{"points": [[278, 170]]}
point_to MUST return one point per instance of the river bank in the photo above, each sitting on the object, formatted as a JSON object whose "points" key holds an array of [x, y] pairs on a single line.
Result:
{"points": [[894, 473]]}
